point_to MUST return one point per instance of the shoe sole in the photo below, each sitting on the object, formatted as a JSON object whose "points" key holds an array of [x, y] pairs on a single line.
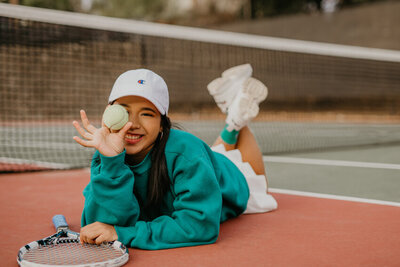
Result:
{"points": [[244, 70], [218, 85], [223, 91], [247, 110], [248, 107], [255, 89], [240, 72]]}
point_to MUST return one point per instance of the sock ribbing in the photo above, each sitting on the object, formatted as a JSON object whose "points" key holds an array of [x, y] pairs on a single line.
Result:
{"points": [[229, 137]]}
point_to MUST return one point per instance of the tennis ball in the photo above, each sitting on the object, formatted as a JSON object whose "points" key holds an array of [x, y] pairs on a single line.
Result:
{"points": [[115, 117]]}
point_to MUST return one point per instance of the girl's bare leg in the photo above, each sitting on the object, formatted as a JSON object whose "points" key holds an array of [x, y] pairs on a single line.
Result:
{"points": [[249, 149], [243, 108]]}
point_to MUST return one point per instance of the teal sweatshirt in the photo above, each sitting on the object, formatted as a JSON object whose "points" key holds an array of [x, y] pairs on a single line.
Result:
{"points": [[206, 189]]}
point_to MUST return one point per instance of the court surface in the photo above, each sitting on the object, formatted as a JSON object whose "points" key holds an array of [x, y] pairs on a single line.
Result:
{"points": [[331, 136], [337, 208]]}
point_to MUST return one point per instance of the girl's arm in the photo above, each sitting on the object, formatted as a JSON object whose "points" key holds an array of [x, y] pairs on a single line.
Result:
{"points": [[196, 216], [109, 196]]}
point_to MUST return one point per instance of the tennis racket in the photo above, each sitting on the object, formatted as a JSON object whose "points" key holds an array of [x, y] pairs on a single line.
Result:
{"points": [[64, 248]]}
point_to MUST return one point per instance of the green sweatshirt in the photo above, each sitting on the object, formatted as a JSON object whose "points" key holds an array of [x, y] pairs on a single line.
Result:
{"points": [[206, 189]]}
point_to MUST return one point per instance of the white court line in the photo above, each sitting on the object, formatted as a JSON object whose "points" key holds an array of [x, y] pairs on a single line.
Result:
{"points": [[42, 144], [42, 164], [326, 162], [336, 197]]}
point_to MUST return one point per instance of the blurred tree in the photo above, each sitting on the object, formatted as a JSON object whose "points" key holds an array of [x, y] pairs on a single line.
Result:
{"points": [[266, 8], [154, 9], [139, 9], [260, 8], [67, 5], [133, 9]]}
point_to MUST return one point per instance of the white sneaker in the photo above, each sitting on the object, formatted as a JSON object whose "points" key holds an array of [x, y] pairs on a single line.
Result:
{"points": [[223, 91], [255, 89], [245, 105], [240, 71], [241, 112], [225, 88]]}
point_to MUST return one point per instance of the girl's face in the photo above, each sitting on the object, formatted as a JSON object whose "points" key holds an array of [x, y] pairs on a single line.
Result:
{"points": [[146, 125]]}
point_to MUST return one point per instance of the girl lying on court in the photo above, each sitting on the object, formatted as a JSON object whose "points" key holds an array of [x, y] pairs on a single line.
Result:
{"points": [[153, 187]]}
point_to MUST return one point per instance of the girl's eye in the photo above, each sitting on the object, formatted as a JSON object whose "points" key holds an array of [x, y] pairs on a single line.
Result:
{"points": [[148, 114]]}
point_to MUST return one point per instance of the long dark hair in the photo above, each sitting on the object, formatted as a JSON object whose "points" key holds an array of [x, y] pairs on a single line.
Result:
{"points": [[159, 181]]}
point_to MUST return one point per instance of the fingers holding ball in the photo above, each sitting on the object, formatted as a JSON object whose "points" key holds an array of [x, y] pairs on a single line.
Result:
{"points": [[115, 117]]}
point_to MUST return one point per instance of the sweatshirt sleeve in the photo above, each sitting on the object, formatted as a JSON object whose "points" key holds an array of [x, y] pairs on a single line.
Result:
{"points": [[109, 195], [196, 216]]}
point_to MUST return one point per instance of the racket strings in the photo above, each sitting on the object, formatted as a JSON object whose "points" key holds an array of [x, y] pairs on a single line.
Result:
{"points": [[70, 252]]}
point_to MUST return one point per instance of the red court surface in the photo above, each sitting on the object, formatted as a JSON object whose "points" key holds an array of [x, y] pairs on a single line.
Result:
{"points": [[304, 231]]}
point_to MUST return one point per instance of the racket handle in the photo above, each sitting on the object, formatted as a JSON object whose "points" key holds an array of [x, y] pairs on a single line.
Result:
{"points": [[60, 222]]}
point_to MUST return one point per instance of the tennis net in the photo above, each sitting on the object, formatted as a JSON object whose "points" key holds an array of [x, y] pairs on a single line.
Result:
{"points": [[55, 63]]}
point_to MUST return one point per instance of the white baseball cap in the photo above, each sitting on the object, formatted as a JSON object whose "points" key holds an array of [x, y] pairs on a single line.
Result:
{"points": [[144, 83]]}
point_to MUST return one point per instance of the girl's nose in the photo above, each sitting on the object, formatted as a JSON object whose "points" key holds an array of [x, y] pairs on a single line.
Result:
{"points": [[135, 121]]}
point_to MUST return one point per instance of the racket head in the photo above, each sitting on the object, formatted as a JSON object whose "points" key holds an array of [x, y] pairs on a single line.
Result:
{"points": [[64, 249]]}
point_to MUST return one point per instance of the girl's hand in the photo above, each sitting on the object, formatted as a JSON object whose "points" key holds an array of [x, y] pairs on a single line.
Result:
{"points": [[97, 233], [108, 143]]}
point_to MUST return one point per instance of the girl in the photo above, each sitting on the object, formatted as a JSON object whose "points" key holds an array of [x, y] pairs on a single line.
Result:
{"points": [[153, 187]]}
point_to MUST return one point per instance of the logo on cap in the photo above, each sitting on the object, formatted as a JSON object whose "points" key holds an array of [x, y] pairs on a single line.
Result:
{"points": [[140, 81]]}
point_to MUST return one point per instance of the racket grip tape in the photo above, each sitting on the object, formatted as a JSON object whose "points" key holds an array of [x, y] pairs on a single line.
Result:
{"points": [[60, 222]]}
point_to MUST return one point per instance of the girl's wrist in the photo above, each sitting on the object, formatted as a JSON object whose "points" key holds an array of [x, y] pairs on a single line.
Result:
{"points": [[111, 151], [112, 164], [111, 154]]}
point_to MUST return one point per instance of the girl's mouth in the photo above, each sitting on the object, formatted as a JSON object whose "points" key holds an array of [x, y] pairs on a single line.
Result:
{"points": [[133, 138]]}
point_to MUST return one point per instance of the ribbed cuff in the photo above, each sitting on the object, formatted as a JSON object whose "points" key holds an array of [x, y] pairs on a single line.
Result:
{"points": [[229, 137], [126, 234], [113, 165]]}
